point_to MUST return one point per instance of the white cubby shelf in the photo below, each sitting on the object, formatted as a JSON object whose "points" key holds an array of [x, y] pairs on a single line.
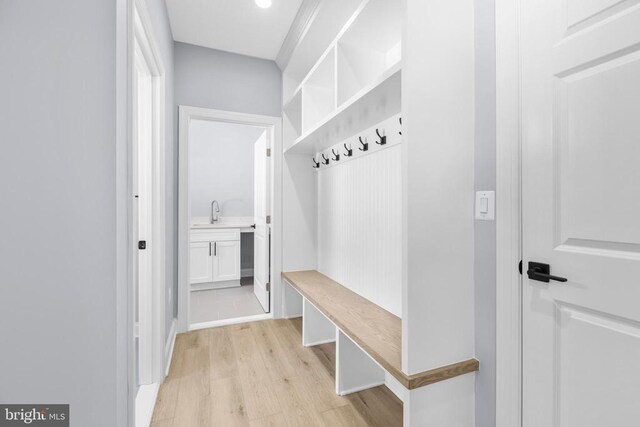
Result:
{"points": [[355, 84], [374, 103]]}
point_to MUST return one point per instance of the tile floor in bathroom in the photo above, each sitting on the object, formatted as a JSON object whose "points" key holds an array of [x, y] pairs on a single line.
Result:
{"points": [[220, 304]]}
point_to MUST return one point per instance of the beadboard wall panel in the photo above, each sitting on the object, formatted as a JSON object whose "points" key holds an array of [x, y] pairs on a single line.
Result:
{"points": [[359, 226]]}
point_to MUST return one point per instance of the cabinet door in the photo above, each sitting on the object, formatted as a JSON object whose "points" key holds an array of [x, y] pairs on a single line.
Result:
{"points": [[201, 265], [226, 261]]}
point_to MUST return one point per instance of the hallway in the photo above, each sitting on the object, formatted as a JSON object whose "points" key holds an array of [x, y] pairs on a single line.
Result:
{"points": [[259, 374]]}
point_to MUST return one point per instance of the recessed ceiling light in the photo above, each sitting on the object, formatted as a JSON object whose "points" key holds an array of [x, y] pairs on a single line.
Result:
{"points": [[263, 3]]}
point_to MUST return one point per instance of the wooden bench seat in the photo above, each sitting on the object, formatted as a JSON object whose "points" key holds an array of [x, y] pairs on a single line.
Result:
{"points": [[377, 331]]}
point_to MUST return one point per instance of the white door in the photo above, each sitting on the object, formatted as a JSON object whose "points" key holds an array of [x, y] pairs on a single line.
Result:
{"points": [[226, 261], [261, 233], [142, 185], [201, 262], [580, 109]]}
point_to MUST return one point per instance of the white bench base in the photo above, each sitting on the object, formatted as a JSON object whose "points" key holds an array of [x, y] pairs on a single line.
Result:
{"points": [[447, 403]]}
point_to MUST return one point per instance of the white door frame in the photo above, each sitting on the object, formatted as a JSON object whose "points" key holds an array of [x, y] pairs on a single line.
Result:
{"points": [[509, 226], [186, 114], [141, 32]]}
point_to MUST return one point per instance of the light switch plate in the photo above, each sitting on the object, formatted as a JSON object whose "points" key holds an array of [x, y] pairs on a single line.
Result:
{"points": [[486, 205]]}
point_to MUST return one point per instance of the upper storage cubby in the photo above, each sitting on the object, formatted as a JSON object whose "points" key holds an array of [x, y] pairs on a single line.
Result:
{"points": [[319, 92], [369, 47], [325, 24], [354, 84]]}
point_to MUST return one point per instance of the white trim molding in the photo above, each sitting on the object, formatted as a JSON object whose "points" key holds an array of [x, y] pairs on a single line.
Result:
{"points": [[227, 322], [509, 244], [170, 345], [301, 24], [145, 404], [274, 124], [140, 31], [144, 35]]}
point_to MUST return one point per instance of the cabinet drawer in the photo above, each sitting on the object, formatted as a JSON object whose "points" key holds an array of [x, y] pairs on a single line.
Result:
{"points": [[227, 234]]}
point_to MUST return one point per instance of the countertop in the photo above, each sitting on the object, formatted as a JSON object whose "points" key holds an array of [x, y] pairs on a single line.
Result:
{"points": [[203, 223]]}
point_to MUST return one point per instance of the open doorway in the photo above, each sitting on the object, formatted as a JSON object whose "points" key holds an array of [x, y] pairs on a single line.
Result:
{"points": [[226, 185], [228, 245]]}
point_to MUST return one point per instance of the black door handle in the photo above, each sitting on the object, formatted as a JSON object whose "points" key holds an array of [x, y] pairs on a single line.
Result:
{"points": [[540, 272]]}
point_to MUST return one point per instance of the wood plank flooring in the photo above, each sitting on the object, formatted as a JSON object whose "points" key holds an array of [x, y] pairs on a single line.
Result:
{"points": [[258, 374]]}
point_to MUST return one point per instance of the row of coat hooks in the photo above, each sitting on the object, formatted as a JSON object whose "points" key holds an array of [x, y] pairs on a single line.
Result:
{"points": [[364, 146]]}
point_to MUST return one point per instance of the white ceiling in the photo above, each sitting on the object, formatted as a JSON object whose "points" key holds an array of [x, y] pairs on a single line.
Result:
{"points": [[237, 26]]}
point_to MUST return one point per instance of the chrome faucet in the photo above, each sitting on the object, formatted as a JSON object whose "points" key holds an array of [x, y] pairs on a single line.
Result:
{"points": [[214, 215]]}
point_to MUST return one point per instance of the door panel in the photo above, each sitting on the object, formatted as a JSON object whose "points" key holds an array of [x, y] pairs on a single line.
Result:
{"points": [[598, 368], [597, 136], [261, 233], [143, 204], [580, 108], [226, 261], [201, 262]]}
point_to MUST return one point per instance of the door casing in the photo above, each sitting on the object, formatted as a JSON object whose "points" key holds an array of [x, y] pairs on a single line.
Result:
{"points": [[274, 126], [141, 32], [508, 214]]}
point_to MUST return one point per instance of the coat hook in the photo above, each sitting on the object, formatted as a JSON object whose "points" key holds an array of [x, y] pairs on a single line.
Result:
{"points": [[383, 138], [326, 160], [365, 145], [316, 165], [400, 124], [336, 156], [349, 152]]}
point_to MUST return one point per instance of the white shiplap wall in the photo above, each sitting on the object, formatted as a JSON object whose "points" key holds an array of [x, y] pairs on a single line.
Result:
{"points": [[359, 223]]}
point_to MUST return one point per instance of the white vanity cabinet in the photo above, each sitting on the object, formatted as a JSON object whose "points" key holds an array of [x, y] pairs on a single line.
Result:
{"points": [[215, 258], [226, 260], [201, 262]]}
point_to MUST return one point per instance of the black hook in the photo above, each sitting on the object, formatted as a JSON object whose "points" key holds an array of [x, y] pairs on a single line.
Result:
{"points": [[383, 138], [336, 156], [316, 165], [365, 145], [400, 124], [326, 160], [349, 152]]}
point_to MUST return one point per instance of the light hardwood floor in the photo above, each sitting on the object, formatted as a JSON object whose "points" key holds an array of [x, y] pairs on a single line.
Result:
{"points": [[258, 374]]}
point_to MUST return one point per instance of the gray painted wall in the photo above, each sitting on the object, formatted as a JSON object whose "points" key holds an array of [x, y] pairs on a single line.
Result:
{"points": [[226, 81], [222, 167], [485, 231], [58, 185]]}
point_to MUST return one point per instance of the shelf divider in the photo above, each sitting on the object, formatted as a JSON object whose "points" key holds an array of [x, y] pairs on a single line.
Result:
{"points": [[375, 102]]}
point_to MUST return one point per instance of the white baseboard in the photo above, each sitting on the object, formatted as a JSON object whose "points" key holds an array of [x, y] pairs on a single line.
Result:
{"points": [[292, 316], [195, 287], [168, 348], [227, 322], [145, 404], [246, 272]]}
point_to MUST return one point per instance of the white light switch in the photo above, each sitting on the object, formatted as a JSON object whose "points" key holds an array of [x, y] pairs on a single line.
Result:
{"points": [[485, 205]]}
